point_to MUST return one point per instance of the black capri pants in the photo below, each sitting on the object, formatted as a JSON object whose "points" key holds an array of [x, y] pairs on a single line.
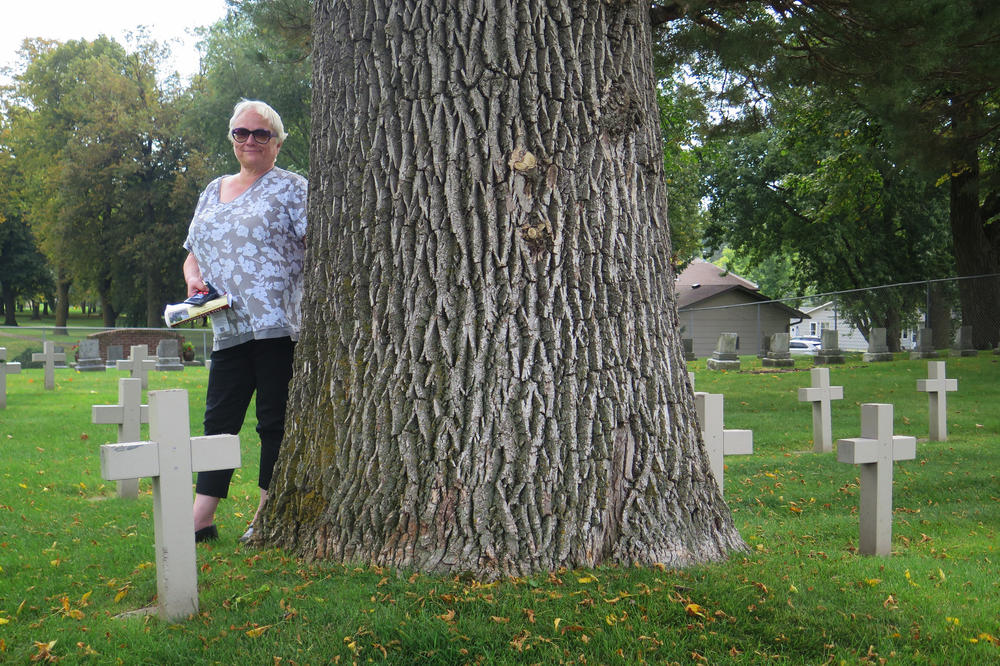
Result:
{"points": [[264, 366]]}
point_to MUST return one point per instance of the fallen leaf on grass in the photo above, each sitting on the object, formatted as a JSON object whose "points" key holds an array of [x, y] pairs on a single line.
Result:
{"points": [[500, 620], [694, 610], [449, 616], [257, 631]]}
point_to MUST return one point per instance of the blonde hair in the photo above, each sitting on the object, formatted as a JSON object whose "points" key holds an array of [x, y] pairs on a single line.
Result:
{"points": [[265, 110]]}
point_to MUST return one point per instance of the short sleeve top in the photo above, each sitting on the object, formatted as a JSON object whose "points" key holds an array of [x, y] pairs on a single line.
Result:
{"points": [[253, 248]]}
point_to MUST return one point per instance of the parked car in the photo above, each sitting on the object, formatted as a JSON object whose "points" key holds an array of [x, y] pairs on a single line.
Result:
{"points": [[803, 346]]}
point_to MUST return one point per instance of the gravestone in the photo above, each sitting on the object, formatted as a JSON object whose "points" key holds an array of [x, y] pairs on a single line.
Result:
{"points": [[765, 346], [170, 458], [128, 414], [115, 354], [139, 364], [719, 442], [963, 343], [168, 355], [11, 368], [778, 355], [820, 394], [689, 349], [937, 386], [878, 350], [90, 357], [724, 357], [925, 345], [829, 348], [49, 358], [875, 451]]}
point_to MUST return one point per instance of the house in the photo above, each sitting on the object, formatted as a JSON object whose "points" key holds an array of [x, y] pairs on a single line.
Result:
{"points": [[826, 316], [711, 301]]}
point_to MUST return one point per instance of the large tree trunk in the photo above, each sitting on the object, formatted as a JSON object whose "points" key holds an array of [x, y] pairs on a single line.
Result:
{"points": [[490, 376], [9, 296], [62, 301], [977, 245]]}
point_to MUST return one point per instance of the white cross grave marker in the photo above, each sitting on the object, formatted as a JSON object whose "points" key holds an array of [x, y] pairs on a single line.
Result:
{"points": [[719, 442], [128, 414], [875, 451], [6, 368], [820, 394], [49, 357], [937, 387], [138, 364], [170, 459]]}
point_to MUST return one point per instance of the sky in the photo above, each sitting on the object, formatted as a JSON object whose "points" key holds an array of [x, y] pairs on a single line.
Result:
{"points": [[64, 20]]}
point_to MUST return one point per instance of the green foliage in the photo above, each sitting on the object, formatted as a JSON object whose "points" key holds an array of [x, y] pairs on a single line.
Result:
{"points": [[76, 561], [259, 51]]}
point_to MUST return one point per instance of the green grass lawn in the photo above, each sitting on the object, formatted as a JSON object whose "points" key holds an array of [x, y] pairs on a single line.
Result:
{"points": [[75, 560]]}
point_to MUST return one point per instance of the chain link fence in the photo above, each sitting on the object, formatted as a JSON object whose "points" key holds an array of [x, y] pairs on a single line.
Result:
{"points": [[945, 307], [23, 341]]}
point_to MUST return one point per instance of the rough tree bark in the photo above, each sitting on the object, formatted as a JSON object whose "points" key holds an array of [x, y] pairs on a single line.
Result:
{"points": [[490, 376]]}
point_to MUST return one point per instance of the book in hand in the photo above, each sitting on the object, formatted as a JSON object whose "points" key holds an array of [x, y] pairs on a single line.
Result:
{"points": [[201, 304]]}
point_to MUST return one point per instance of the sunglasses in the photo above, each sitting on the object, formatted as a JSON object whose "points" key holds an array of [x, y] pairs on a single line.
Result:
{"points": [[241, 134]]}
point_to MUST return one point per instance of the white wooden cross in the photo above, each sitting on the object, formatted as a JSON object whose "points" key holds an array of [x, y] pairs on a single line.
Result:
{"points": [[49, 357], [937, 387], [138, 364], [875, 451], [128, 414], [820, 394], [6, 368], [719, 442], [170, 459]]}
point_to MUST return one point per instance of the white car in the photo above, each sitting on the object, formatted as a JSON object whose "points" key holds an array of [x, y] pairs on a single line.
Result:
{"points": [[803, 346]]}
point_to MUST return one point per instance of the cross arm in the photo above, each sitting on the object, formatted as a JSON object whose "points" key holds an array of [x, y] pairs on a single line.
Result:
{"points": [[13, 367], [904, 447], [857, 450], [129, 461], [737, 442], [215, 452], [104, 414]]}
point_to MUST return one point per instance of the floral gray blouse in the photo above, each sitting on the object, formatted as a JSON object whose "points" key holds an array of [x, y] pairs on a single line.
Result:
{"points": [[253, 248]]}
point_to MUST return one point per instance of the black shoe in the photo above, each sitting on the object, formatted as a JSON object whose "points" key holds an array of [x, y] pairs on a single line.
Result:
{"points": [[202, 297], [210, 533]]}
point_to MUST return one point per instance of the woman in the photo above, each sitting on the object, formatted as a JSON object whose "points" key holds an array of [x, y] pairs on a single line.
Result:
{"points": [[247, 239]]}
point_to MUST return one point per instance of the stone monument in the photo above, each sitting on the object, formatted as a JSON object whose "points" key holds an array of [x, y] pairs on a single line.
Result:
{"points": [[963, 343], [719, 442], [778, 355], [168, 356], [170, 458], [925, 345], [115, 354], [875, 451], [6, 368], [829, 348], [937, 386], [49, 357], [724, 357], [89, 359], [820, 394], [878, 350]]}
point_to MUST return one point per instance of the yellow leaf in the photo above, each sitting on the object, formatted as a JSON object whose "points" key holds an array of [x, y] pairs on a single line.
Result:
{"points": [[941, 574], [121, 594], [449, 616], [872, 582], [694, 610], [257, 631], [793, 589], [587, 579], [4, 620], [500, 620], [556, 622]]}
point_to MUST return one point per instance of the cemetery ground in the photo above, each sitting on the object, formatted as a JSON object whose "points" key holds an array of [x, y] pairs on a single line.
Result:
{"points": [[76, 562]]}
